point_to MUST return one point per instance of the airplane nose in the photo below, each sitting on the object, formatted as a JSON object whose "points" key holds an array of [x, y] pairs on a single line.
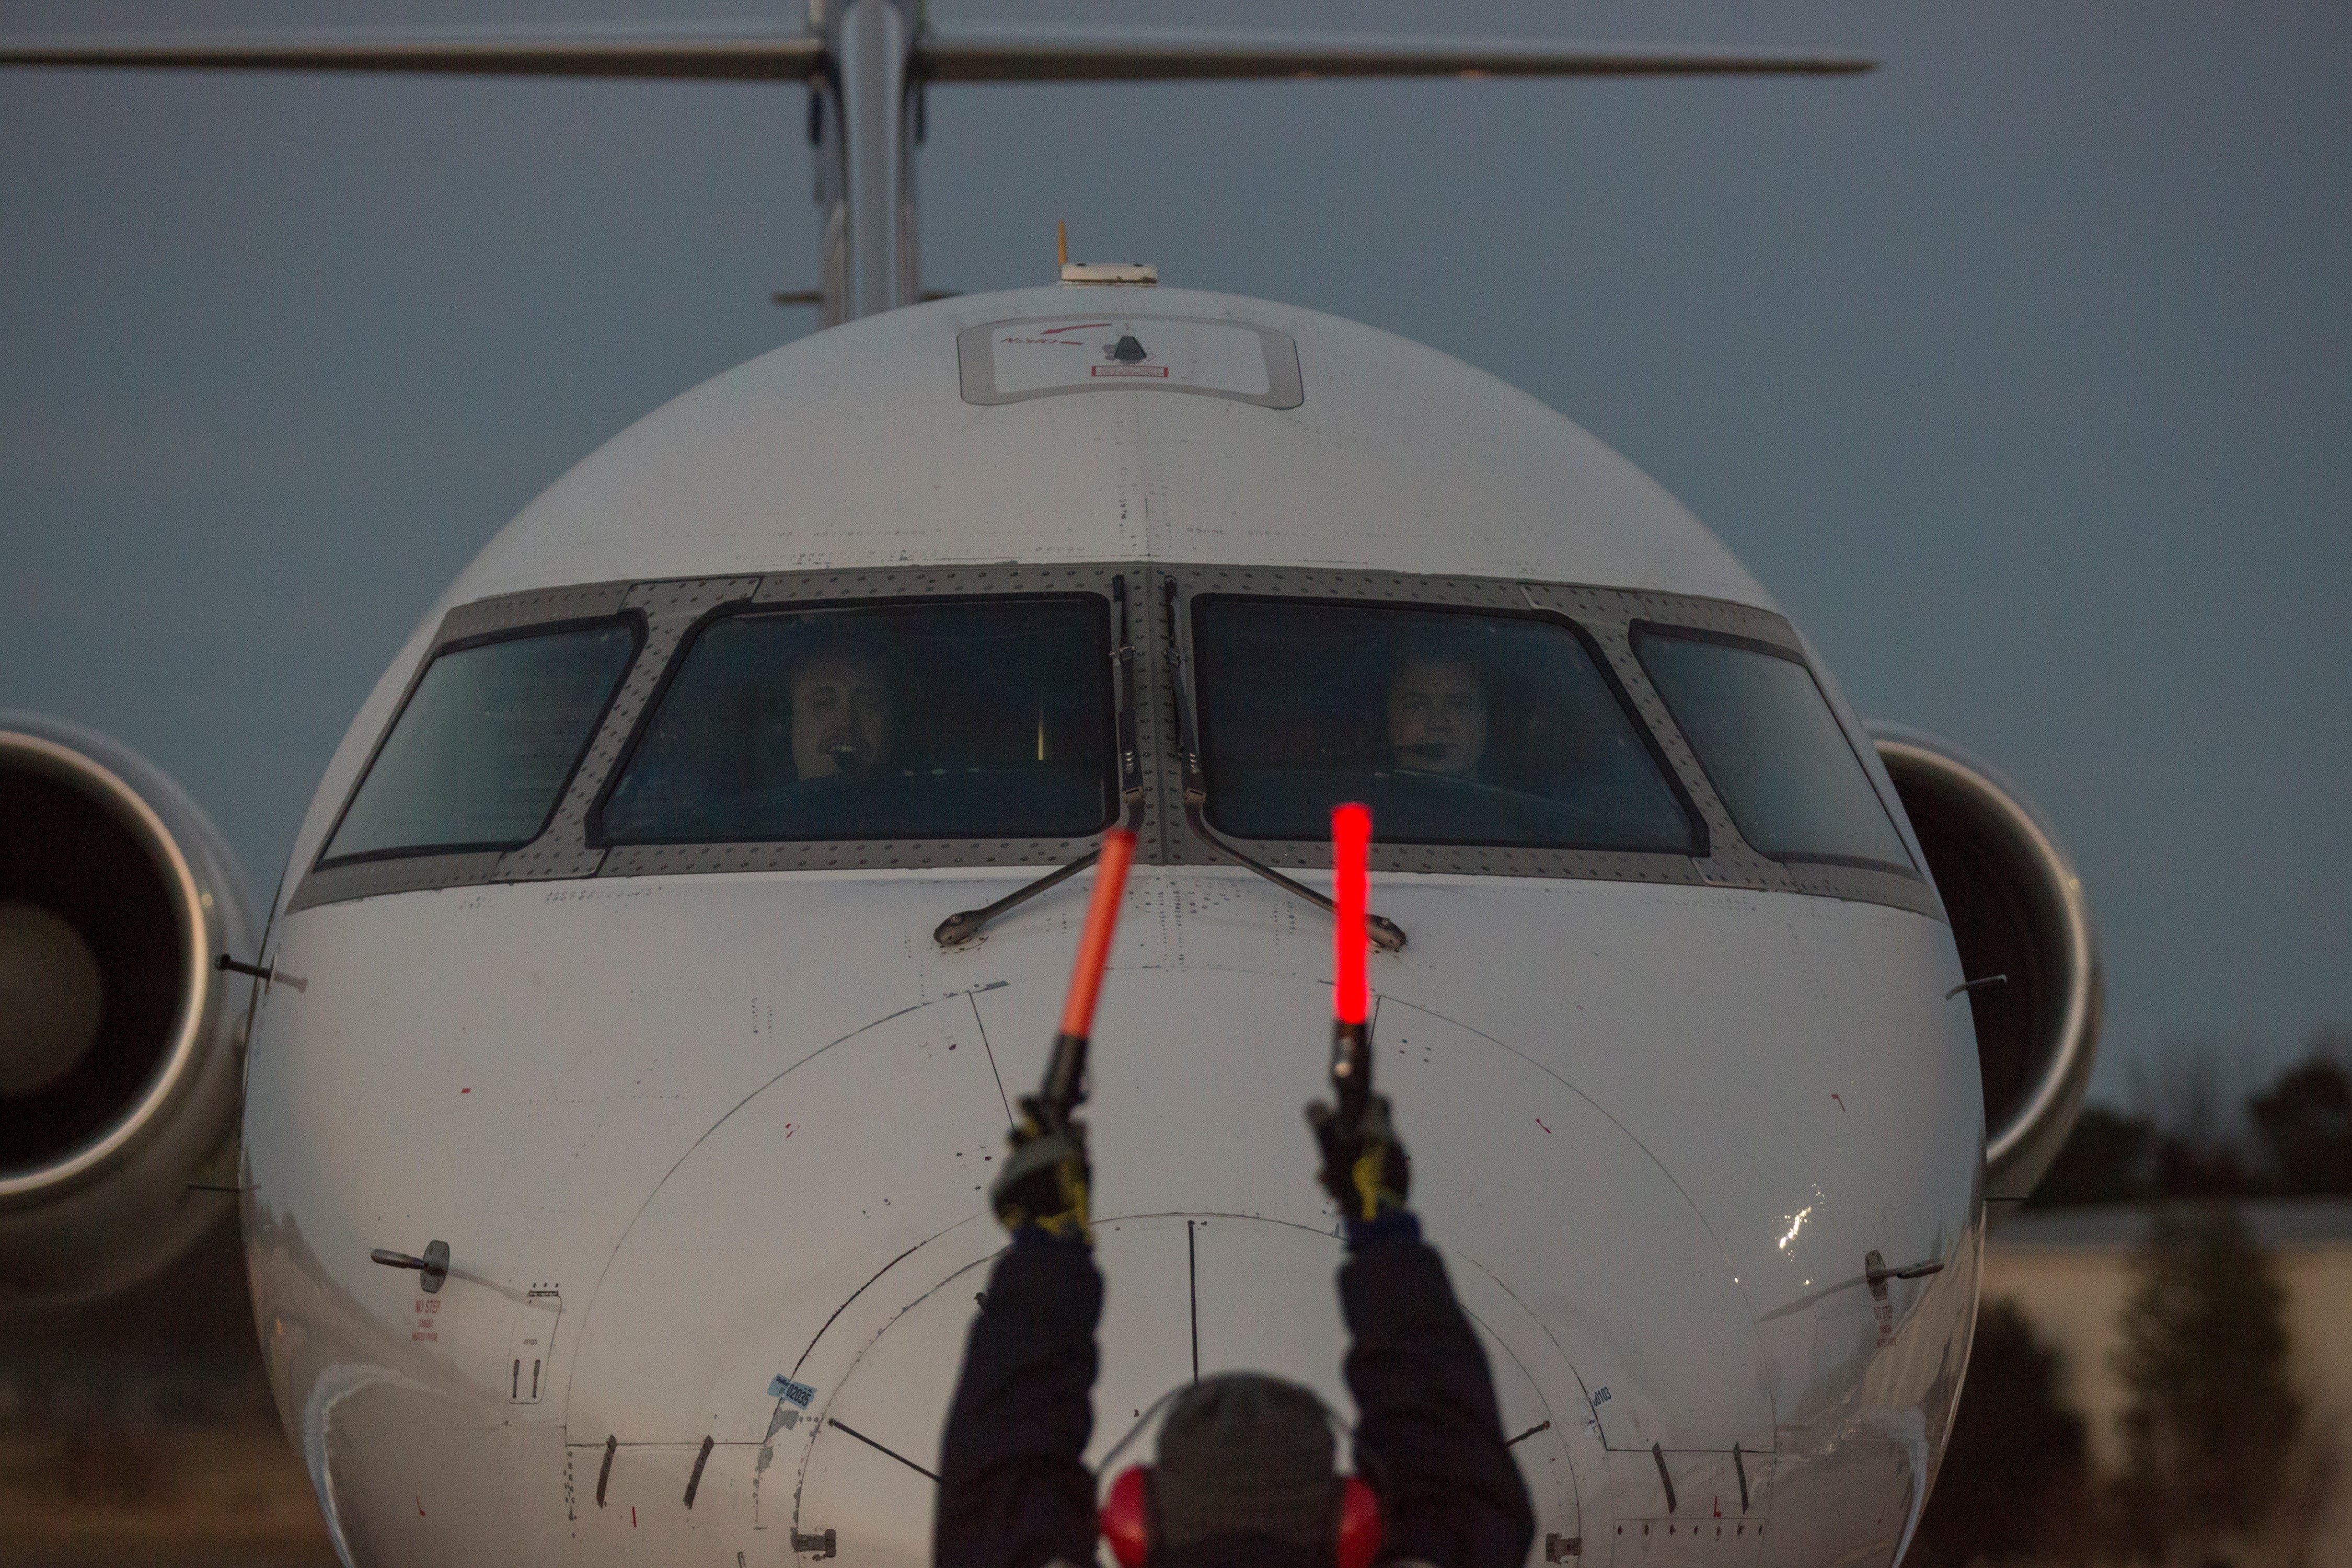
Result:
{"points": [[1526, 1185], [814, 1263]]}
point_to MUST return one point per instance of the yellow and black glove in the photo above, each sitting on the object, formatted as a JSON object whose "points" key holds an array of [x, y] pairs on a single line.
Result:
{"points": [[1044, 1185], [1365, 1168]]}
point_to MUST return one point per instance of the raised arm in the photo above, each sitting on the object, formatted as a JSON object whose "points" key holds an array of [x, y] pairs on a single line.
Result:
{"points": [[1430, 1436], [1014, 1491]]}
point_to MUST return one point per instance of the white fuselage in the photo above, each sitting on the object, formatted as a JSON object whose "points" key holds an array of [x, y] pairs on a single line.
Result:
{"points": [[687, 1135]]}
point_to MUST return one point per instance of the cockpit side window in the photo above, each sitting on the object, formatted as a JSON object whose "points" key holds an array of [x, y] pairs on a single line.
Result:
{"points": [[1455, 726], [1766, 737], [479, 753], [939, 718]]}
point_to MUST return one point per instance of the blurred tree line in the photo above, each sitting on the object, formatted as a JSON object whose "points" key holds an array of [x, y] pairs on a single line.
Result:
{"points": [[2223, 1467], [2294, 1138]]}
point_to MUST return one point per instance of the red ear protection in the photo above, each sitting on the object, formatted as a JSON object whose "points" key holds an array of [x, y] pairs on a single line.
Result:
{"points": [[1360, 1526], [1123, 1522], [1126, 1522]]}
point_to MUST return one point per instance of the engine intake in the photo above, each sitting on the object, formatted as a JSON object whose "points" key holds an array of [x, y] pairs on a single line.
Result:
{"points": [[2017, 909], [119, 1039]]}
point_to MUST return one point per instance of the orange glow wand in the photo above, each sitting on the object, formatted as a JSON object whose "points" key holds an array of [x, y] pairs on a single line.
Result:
{"points": [[1352, 888], [1066, 1071]]}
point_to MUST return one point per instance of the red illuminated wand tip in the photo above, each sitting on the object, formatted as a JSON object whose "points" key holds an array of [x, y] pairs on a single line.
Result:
{"points": [[1351, 1001], [1351, 879]]}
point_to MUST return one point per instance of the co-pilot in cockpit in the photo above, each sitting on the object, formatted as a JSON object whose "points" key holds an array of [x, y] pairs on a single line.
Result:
{"points": [[1456, 727], [1437, 713], [877, 722], [842, 718]]}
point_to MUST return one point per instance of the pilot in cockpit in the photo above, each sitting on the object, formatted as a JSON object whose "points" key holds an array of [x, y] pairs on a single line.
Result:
{"points": [[841, 714], [1437, 713]]}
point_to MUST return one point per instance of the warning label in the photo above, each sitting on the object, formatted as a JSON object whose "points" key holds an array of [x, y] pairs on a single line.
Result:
{"points": [[1029, 357], [1217, 356]]}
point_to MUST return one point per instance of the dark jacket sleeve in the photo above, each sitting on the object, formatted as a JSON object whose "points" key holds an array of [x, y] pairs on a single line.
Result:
{"points": [[1429, 1437], [1014, 1491]]}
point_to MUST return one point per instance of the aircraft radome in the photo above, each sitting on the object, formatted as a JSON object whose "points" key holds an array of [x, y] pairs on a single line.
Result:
{"points": [[614, 982]]}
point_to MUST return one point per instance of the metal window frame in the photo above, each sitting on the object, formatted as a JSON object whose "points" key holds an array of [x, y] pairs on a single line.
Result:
{"points": [[483, 620], [673, 608], [785, 600], [1794, 654], [671, 611], [328, 860], [1605, 617], [1576, 632]]}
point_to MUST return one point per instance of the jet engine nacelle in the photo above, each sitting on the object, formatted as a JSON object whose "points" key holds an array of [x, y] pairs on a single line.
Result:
{"points": [[120, 1040], [2017, 909]]}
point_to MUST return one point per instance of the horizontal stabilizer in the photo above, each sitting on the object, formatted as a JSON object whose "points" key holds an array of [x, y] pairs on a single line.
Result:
{"points": [[667, 53], [1067, 55], [671, 52]]}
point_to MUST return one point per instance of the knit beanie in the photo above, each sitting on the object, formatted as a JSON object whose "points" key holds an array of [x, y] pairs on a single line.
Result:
{"points": [[1245, 1454]]}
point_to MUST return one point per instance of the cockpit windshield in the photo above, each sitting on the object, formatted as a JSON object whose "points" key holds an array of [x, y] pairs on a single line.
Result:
{"points": [[1456, 727], [944, 719], [480, 751], [1767, 738]]}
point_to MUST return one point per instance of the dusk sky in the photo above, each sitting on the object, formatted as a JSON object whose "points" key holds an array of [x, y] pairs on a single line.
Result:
{"points": [[2019, 371]]}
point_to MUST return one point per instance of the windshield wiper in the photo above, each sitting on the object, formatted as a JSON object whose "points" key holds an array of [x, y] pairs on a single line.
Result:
{"points": [[1386, 934], [965, 924]]}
